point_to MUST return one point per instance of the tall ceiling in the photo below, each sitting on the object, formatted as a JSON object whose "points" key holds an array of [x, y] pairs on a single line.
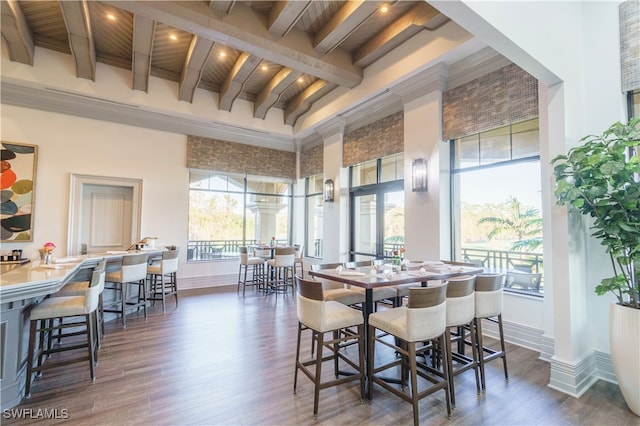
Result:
{"points": [[283, 55]]}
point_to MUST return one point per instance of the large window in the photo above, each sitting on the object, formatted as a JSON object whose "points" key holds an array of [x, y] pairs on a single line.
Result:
{"points": [[496, 203], [314, 216], [230, 211], [377, 207]]}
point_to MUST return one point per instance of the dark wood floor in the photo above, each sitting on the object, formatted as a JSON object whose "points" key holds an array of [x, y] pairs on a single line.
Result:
{"points": [[220, 359]]}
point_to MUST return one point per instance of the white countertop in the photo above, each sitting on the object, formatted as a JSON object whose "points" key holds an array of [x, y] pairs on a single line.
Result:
{"points": [[35, 279]]}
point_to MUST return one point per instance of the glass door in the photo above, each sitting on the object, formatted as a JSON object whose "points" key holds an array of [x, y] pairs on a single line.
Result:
{"points": [[377, 218]]}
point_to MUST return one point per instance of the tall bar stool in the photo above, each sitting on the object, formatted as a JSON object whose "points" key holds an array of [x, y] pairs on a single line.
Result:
{"points": [[378, 294], [299, 259], [422, 320], [280, 269], [321, 317], [163, 280], [336, 291], [42, 323], [460, 318], [81, 288], [257, 270], [132, 272], [488, 306]]}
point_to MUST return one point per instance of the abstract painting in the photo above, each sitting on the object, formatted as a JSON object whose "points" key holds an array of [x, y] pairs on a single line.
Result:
{"points": [[17, 186]]}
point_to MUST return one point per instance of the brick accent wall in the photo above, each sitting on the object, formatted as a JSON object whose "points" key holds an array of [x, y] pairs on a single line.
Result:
{"points": [[630, 44], [230, 157], [312, 161], [505, 96], [375, 140]]}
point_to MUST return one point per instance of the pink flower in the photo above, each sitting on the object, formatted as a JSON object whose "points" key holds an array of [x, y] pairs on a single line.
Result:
{"points": [[49, 246]]}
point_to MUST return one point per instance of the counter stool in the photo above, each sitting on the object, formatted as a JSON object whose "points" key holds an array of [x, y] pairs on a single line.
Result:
{"points": [[299, 252], [321, 317], [488, 306], [460, 318], [132, 272], [378, 294], [163, 280], [256, 264], [336, 291], [81, 288], [422, 320], [280, 269], [42, 323]]}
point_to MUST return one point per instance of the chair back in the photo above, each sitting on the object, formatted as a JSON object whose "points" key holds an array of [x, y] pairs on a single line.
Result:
{"points": [[353, 265], [263, 253], [311, 305], [169, 263], [244, 256], [284, 257], [299, 250], [96, 286], [460, 300], [426, 312], [134, 267], [488, 296], [327, 284]]}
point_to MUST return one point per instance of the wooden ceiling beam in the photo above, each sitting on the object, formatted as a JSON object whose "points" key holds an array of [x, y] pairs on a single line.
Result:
{"points": [[245, 30], [342, 24], [244, 67], [197, 57], [222, 6], [302, 103], [284, 15], [143, 33], [270, 94], [77, 20], [409, 24], [16, 33]]}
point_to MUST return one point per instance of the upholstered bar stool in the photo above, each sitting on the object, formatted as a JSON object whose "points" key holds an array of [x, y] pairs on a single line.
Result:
{"points": [[422, 320], [132, 272], [460, 318], [322, 317], [163, 280], [280, 273], [488, 306], [81, 288], [253, 264], [299, 252], [379, 294], [336, 291], [42, 323]]}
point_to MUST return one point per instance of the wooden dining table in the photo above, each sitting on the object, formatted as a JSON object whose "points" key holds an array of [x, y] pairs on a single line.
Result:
{"points": [[369, 278]]}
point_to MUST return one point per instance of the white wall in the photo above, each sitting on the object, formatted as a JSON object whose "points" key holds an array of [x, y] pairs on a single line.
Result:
{"points": [[69, 144]]}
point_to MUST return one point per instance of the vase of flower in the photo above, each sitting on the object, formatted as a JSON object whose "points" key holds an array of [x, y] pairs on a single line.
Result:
{"points": [[48, 253]]}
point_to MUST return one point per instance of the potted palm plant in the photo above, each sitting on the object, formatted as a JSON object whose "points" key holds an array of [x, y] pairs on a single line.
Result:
{"points": [[601, 179]]}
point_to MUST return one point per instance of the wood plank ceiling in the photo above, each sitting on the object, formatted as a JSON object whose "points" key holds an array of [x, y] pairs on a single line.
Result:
{"points": [[275, 54]]}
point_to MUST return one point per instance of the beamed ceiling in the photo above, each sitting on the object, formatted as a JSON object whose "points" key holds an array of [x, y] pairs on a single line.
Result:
{"points": [[282, 55]]}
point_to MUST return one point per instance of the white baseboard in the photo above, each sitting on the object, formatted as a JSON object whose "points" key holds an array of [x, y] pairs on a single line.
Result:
{"points": [[208, 281]]}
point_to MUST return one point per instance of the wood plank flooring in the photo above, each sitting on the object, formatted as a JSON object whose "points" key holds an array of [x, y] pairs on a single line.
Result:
{"points": [[220, 359]]}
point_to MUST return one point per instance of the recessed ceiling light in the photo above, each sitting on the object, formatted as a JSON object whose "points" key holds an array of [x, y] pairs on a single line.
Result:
{"points": [[300, 79], [223, 54], [111, 17], [264, 68], [384, 8], [173, 37]]}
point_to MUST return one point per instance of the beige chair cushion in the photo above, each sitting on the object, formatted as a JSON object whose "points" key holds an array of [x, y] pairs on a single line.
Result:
{"points": [[344, 296], [326, 316], [460, 310], [488, 303], [411, 325]]}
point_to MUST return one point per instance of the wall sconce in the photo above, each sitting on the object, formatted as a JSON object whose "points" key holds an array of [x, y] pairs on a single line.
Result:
{"points": [[419, 175], [328, 190]]}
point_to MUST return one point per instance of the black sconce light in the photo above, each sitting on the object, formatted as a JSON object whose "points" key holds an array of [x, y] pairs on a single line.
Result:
{"points": [[328, 190], [419, 175]]}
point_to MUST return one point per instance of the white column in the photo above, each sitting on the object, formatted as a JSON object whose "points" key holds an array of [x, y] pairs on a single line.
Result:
{"points": [[335, 223], [426, 213]]}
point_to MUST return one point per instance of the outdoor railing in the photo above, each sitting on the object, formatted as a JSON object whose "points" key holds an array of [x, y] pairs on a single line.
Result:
{"points": [[201, 250], [524, 270]]}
